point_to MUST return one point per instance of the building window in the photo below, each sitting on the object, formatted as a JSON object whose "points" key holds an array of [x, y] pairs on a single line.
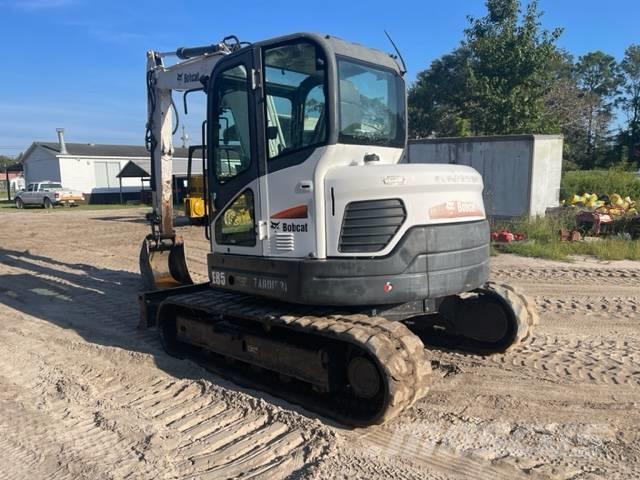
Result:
{"points": [[107, 174]]}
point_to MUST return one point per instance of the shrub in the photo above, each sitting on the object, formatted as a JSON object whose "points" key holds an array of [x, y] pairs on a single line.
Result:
{"points": [[600, 182]]}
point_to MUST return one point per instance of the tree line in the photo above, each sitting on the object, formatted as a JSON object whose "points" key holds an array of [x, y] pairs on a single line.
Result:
{"points": [[508, 76]]}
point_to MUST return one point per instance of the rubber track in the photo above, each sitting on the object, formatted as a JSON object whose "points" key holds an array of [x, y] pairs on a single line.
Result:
{"points": [[401, 354], [523, 307]]}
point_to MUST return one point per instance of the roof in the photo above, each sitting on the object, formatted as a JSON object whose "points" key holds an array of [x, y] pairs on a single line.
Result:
{"points": [[141, 168], [339, 47], [135, 169], [104, 150]]}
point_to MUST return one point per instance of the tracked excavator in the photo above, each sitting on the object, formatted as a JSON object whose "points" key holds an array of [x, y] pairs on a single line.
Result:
{"points": [[333, 262]]}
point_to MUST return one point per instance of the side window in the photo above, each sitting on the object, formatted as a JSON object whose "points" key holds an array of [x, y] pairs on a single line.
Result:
{"points": [[236, 224], [313, 126], [295, 100], [30, 187], [232, 136], [279, 115]]}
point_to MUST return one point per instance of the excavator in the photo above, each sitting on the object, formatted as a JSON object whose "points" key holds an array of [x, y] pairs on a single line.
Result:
{"points": [[332, 261]]}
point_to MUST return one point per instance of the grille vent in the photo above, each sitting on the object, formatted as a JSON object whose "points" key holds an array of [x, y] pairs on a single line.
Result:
{"points": [[369, 226], [285, 242]]}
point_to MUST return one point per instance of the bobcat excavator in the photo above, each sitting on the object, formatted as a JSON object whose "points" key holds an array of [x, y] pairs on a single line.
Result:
{"points": [[331, 259]]}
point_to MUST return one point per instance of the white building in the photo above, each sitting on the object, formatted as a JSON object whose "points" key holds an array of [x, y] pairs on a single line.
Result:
{"points": [[92, 168]]}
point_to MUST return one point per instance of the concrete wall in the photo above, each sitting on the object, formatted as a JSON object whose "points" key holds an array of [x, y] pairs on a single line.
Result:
{"points": [[521, 173], [546, 173]]}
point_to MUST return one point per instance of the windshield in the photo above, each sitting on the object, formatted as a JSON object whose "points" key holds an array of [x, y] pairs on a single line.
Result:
{"points": [[372, 108]]}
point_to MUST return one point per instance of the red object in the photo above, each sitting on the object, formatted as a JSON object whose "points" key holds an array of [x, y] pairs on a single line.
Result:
{"points": [[505, 236], [388, 287], [598, 223]]}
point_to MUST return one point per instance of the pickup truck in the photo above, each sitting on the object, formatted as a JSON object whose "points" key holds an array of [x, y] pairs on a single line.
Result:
{"points": [[47, 194]]}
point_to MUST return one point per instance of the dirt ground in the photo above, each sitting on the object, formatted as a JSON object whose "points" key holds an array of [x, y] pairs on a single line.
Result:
{"points": [[84, 394]]}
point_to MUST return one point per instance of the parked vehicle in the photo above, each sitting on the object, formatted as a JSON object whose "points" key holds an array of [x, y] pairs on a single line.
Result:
{"points": [[47, 194]]}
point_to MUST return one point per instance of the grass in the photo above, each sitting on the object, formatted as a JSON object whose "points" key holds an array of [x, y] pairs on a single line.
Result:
{"points": [[8, 206], [543, 241], [600, 182]]}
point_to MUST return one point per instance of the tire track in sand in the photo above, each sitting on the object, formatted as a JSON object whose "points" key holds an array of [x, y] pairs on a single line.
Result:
{"points": [[568, 274], [73, 402], [562, 360]]}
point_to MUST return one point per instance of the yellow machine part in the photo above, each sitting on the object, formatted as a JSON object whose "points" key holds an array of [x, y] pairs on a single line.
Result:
{"points": [[194, 202], [194, 207]]}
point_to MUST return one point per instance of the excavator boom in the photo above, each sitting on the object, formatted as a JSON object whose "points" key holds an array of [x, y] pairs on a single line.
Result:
{"points": [[162, 254]]}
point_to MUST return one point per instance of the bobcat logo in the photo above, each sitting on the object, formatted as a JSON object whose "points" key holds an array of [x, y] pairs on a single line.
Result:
{"points": [[275, 225], [179, 77]]}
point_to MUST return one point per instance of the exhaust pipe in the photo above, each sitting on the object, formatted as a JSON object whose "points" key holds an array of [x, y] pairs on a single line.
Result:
{"points": [[61, 143]]}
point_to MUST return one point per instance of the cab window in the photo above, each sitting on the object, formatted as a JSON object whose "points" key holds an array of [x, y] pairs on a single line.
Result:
{"points": [[232, 135], [295, 103], [236, 224]]}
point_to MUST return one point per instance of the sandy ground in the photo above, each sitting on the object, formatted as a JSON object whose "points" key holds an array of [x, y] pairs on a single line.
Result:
{"points": [[84, 394]]}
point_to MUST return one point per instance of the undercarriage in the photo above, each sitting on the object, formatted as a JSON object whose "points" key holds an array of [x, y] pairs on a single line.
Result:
{"points": [[356, 365]]}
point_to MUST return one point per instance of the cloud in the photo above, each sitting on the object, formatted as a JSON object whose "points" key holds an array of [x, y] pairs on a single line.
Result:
{"points": [[32, 5]]}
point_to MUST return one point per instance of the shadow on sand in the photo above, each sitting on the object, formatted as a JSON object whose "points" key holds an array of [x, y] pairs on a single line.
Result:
{"points": [[101, 305]]}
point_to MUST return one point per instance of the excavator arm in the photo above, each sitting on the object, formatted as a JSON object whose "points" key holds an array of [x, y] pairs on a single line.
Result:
{"points": [[162, 255]]}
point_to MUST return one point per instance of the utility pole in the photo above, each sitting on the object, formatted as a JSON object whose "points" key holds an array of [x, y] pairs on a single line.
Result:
{"points": [[184, 138]]}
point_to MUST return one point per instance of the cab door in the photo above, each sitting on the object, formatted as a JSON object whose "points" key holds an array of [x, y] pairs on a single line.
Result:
{"points": [[27, 197], [235, 160]]}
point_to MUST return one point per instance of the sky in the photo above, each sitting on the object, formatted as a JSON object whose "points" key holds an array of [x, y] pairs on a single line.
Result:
{"points": [[80, 64]]}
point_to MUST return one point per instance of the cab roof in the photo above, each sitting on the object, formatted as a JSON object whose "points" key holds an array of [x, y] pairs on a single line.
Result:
{"points": [[340, 47]]}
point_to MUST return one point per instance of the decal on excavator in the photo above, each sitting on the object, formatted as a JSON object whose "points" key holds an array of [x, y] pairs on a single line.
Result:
{"points": [[289, 227], [294, 213], [299, 211], [272, 284], [188, 77], [455, 209]]}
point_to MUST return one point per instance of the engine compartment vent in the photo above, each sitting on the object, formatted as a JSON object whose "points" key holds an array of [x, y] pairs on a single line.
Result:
{"points": [[285, 242], [369, 226]]}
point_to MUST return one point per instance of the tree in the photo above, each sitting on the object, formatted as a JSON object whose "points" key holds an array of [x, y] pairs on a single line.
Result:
{"points": [[630, 67], [437, 98], [6, 161], [567, 110], [598, 76], [509, 69]]}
